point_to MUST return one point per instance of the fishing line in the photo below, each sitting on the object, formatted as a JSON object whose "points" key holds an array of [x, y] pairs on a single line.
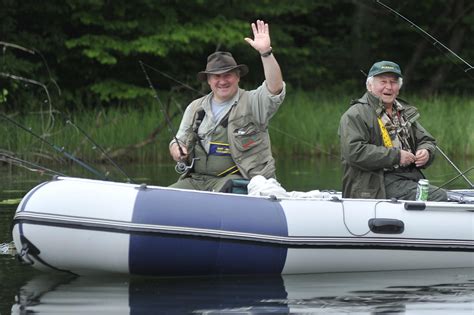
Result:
{"points": [[462, 174], [271, 127], [454, 178], [68, 121], [96, 145], [435, 42], [173, 79], [181, 166], [303, 141], [455, 167], [55, 147], [28, 165]]}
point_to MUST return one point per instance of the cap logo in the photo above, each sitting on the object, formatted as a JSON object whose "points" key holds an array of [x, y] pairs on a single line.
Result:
{"points": [[383, 67]]}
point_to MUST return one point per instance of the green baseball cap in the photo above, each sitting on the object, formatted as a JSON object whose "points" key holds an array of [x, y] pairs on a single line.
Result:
{"points": [[384, 67]]}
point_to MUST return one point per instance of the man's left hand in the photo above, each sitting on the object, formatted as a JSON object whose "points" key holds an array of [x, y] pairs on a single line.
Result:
{"points": [[261, 41], [421, 157]]}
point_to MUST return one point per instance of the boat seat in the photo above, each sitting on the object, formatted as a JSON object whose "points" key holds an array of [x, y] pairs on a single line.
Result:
{"points": [[236, 186]]}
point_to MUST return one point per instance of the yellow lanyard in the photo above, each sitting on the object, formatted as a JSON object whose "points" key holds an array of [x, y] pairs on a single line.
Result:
{"points": [[387, 142]]}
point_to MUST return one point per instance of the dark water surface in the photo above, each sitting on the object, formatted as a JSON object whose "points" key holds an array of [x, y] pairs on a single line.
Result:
{"points": [[24, 290]]}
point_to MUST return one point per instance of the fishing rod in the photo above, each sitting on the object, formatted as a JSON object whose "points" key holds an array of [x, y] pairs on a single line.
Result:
{"points": [[435, 41], [455, 167], [181, 166], [96, 145], [271, 127], [68, 121], [455, 177], [175, 80], [28, 165], [55, 147]]}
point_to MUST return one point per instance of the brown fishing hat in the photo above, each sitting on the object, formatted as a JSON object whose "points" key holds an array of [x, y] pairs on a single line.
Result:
{"points": [[221, 62]]}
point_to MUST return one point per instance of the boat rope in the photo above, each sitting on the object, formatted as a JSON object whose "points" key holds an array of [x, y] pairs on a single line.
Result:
{"points": [[27, 217], [8, 249], [435, 42], [344, 216]]}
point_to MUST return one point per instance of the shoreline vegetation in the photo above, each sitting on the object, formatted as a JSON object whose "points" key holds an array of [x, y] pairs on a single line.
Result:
{"points": [[304, 127]]}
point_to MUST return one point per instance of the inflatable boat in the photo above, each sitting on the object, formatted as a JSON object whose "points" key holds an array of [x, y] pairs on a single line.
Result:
{"points": [[87, 226]]}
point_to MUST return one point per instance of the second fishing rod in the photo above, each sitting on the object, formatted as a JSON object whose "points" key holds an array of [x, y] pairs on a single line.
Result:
{"points": [[437, 44], [182, 165], [68, 120], [56, 148]]}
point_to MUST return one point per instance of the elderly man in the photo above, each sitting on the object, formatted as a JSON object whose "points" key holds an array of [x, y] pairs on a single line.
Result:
{"points": [[224, 135], [383, 146]]}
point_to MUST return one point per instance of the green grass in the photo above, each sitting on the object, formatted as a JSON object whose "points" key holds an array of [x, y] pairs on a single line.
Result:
{"points": [[307, 123], [305, 126]]}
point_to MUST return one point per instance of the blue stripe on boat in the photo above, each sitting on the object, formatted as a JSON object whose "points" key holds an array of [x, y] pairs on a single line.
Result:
{"points": [[187, 255]]}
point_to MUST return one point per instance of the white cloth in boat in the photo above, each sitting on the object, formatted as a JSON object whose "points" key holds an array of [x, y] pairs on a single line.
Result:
{"points": [[260, 186]]}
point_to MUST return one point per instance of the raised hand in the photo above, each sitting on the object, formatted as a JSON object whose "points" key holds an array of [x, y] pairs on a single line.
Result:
{"points": [[261, 34]]}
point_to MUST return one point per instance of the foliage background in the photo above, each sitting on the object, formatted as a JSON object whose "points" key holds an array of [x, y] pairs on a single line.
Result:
{"points": [[80, 59], [93, 47]]}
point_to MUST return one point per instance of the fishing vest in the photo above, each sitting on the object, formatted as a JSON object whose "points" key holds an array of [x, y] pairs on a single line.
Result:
{"points": [[218, 161], [248, 141]]}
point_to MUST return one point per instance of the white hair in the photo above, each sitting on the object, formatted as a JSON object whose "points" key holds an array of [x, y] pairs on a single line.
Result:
{"points": [[370, 79]]}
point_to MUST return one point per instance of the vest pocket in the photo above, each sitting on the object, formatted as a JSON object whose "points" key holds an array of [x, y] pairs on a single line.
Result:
{"points": [[247, 137]]}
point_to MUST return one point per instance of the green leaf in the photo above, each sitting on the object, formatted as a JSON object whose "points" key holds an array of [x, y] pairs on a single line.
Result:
{"points": [[10, 201]]}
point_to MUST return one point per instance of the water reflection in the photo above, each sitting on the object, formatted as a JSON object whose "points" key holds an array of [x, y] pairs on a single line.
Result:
{"points": [[447, 291]]}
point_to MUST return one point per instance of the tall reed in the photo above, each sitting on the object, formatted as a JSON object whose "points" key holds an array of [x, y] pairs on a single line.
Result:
{"points": [[305, 126]]}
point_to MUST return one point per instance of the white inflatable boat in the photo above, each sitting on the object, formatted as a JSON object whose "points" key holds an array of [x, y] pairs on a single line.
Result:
{"points": [[88, 226]]}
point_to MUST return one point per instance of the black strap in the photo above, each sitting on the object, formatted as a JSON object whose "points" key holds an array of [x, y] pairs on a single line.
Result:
{"points": [[225, 120], [199, 118]]}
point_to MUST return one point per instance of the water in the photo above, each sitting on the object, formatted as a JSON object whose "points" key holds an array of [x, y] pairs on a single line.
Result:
{"points": [[24, 290]]}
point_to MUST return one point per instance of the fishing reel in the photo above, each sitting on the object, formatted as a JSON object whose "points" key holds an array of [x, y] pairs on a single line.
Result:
{"points": [[181, 166]]}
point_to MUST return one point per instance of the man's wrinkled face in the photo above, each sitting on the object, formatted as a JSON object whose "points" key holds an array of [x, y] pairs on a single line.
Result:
{"points": [[385, 86], [224, 85]]}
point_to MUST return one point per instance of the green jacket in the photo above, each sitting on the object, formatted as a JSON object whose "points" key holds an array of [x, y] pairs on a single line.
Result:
{"points": [[364, 157]]}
